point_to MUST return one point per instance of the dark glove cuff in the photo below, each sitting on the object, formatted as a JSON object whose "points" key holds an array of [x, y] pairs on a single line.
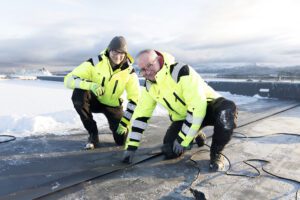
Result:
{"points": [[131, 148], [179, 139]]}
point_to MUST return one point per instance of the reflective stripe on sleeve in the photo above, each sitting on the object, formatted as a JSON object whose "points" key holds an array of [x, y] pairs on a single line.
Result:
{"points": [[77, 83], [188, 131], [189, 118], [135, 136], [95, 60], [128, 115], [139, 124], [192, 132], [131, 106], [194, 120], [185, 129], [175, 71], [70, 81]]}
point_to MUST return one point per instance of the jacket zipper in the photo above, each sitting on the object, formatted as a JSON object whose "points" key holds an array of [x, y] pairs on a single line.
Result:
{"points": [[169, 105], [115, 87], [178, 98]]}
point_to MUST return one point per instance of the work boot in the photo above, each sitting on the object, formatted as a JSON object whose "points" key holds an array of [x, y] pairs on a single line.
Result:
{"points": [[93, 142], [216, 162], [89, 146], [200, 139], [216, 158]]}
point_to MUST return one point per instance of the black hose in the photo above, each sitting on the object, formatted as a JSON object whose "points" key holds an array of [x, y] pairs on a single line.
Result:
{"points": [[227, 172], [10, 138]]}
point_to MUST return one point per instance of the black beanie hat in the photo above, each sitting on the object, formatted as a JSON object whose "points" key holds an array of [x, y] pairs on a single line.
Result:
{"points": [[118, 43]]}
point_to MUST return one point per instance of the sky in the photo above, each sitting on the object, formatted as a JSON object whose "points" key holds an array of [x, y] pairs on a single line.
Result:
{"points": [[60, 34], [31, 117]]}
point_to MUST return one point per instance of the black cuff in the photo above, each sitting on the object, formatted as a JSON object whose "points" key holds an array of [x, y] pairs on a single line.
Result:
{"points": [[131, 148]]}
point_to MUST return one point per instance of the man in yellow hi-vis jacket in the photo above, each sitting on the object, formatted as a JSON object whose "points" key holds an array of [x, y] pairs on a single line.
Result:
{"points": [[98, 84], [191, 104]]}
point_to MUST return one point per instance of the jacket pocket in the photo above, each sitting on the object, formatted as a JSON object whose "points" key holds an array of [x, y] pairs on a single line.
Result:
{"points": [[169, 106], [115, 87], [103, 81], [179, 99]]}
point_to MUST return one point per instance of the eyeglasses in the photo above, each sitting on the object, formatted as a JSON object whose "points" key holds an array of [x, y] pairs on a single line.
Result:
{"points": [[147, 67], [115, 52]]}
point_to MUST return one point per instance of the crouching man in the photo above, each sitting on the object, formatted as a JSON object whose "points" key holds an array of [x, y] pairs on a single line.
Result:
{"points": [[98, 84], [191, 104]]}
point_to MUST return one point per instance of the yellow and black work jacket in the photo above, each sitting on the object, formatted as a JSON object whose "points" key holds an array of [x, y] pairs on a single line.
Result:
{"points": [[98, 70], [181, 90]]}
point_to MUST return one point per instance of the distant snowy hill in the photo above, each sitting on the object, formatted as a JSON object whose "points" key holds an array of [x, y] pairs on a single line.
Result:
{"points": [[251, 70], [27, 74], [32, 72]]}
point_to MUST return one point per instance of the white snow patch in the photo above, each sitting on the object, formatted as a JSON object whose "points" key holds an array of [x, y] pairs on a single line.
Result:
{"points": [[35, 107], [239, 99], [55, 185]]}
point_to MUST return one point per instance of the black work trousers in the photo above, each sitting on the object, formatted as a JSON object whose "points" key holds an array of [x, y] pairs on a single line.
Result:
{"points": [[86, 103], [220, 113]]}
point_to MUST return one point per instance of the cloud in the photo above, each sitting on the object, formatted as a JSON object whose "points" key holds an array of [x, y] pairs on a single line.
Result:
{"points": [[293, 52], [226, 44], [65, 33]]}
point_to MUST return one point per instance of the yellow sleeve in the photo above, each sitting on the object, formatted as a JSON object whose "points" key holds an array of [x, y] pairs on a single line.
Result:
{"points": [[80, 77], [141, 115], [195, 100], [145, 106], [133, 88]]}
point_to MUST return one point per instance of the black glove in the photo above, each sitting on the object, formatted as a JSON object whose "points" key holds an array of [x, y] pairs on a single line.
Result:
{"points": [[128, 156], [178, 149]]}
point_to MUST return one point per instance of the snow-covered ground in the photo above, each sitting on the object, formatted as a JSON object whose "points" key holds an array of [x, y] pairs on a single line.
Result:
{"points": [[35, 107]]}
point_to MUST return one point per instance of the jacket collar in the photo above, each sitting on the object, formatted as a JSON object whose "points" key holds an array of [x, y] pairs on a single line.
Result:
{"points": [[161, 74]]}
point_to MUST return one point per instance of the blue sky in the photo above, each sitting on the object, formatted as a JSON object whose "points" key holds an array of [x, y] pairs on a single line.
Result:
{"points": [[63, 33]]}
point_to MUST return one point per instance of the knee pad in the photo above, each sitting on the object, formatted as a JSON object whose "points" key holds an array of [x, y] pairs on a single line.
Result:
{"points": [[167, 150], [227, 119]]}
